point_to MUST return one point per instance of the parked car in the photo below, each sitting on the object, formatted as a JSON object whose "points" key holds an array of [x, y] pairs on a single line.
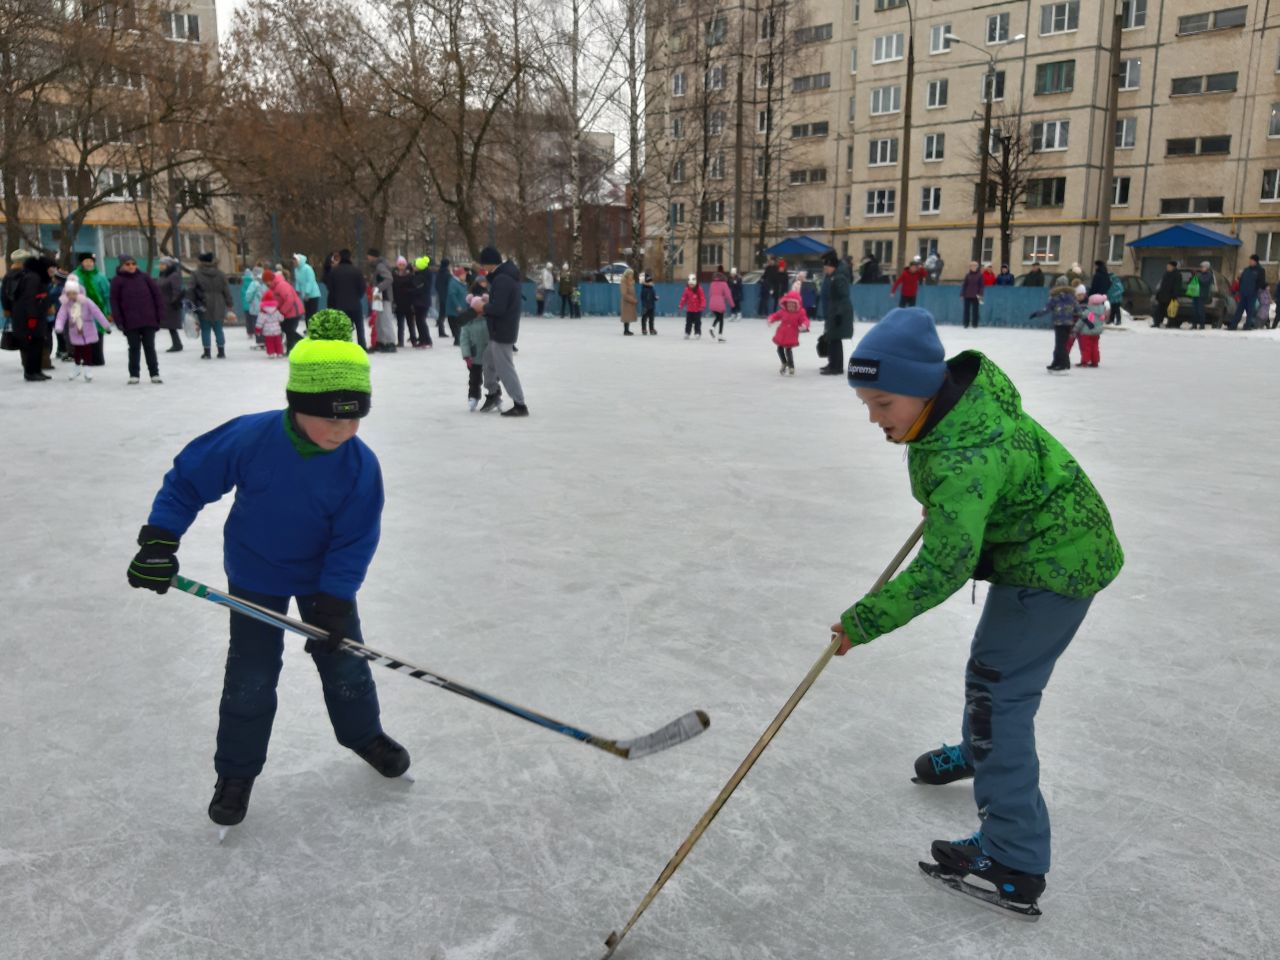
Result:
{"points": [[612, 272], [1217, 309], [752, 276]]}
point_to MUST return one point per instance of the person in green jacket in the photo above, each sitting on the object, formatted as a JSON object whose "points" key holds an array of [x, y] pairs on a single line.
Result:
{"points": [[1005, 502], [98, 289]]}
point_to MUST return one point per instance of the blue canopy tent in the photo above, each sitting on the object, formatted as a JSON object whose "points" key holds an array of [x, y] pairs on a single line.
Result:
{"points": [[798, 247], [1185, 235]]}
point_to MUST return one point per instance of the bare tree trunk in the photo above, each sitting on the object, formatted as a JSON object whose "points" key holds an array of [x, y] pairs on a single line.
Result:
{"points": [[635, 169], [575, 142]]}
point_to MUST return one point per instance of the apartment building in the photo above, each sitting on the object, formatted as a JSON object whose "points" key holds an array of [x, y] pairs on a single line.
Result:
{"points": [[136, 212], [1197, 126]]}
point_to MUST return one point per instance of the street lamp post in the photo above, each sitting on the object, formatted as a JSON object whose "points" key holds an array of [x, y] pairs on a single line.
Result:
{"points": [[984, 148], [904, 182]]}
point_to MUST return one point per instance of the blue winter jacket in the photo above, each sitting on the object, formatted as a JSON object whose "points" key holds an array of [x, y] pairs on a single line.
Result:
{"points": [[304, 279], [302, 522]]}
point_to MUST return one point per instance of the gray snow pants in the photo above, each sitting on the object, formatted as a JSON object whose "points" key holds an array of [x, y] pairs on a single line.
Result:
{"points": [[1019, 638], [500, 367]]}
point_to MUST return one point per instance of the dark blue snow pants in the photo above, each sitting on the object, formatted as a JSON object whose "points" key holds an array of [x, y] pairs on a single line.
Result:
{"points": [[1019, 638], [248, 704]]}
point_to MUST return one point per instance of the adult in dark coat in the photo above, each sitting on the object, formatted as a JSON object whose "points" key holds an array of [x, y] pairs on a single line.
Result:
{"points": [[1166, 292], [1101, 280], [1253, 280], [211, 293], [837, 310], [424, 285], [502, 316], [1034, 277], [27, 295], [138, 308], [346, 292], [170, 282], [768, 284], [442, 297]]}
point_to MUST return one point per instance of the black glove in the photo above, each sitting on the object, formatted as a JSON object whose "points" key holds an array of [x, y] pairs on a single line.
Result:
{"points": [[332, 615], [156, 564]]}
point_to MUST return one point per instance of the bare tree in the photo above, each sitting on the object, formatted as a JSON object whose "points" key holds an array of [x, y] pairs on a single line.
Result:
{"points": [[1013, 160]]}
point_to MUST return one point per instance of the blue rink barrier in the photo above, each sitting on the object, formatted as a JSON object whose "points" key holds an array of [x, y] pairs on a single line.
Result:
{"points": [[1001, 307]]}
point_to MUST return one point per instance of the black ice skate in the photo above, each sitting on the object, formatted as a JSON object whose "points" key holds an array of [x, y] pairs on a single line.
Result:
{"points": [[962, 867], [230, 802], [945, 765], [387, 757], [492, 401]]}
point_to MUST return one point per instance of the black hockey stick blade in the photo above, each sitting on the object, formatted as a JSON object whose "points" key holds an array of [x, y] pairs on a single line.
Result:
{"points": [[674, 733], [936, 873]]}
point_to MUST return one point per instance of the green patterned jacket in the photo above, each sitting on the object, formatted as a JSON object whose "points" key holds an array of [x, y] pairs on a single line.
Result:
{"points": [[995, 487]]}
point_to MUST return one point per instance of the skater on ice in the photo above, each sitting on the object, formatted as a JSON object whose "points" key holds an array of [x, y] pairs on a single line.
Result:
{"points": [[79, 318], [692, 301], [791, 319], [1005, 502], [305, 524]]}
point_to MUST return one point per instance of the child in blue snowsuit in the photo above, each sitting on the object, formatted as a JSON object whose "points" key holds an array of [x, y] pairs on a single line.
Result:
{"points": [[313, 544]]}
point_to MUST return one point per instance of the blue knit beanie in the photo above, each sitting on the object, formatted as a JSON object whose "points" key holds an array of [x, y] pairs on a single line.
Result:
{"points": [[901, 354]]}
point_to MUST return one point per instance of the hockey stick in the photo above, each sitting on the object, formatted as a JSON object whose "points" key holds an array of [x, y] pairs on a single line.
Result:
{"points": [[676, 732], [673, 864]]}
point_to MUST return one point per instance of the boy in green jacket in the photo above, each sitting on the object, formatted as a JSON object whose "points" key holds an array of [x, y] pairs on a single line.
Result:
{"points": [[1005, 502]]}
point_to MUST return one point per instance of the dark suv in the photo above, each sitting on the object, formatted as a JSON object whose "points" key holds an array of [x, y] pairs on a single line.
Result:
{"points": [[1217, 308]]}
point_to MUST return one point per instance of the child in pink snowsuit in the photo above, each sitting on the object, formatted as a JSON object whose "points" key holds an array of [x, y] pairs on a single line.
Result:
{"points": [[693, 301], [271, 325], [80, 317], [721, 302], [791, 319]]}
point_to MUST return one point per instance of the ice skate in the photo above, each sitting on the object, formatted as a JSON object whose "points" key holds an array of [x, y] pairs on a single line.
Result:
{"points": [[962, 866], [945, 765], [230, 803], [75, 374], [491, 402], [156, 379], [783, 369], [791, 371], [133, 380], [472, 403], [387, 757], [88, 375]]}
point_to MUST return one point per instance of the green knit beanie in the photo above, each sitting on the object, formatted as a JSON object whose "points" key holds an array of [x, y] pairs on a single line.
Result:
{"points": [[328, 373]]}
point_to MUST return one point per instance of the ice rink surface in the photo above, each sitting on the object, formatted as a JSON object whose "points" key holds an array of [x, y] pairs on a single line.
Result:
{"points": [[674, 527]]}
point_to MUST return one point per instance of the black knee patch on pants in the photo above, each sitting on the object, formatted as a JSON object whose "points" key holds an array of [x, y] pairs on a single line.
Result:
{"points": [[978, 708]]}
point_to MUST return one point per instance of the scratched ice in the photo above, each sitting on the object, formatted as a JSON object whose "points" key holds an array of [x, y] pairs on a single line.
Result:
{"points": [[674, 527]]}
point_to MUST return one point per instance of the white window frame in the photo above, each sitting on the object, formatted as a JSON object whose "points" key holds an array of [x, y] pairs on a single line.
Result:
{"points": [[930, 201], [887, 48], [1000, 21], [1272, 175], [714, 212], [882, 202], [1134, 14], [938, 42], [677, 128], [1268, 249], [714, 248], [884, 150], [1273, 125], [179, 26], [1116, 183], [763, 124], [762, 75], [677, 171], [853, 61], [1131, 73], [679, 84], [936, 94], [715, 123], [676, 207], [935, 147], [891, 92], [1115, 248], [713, 79], [1126, 125], [1061, 135], [1042, 248], [998, 85], [716, 167], [1060, 17]]}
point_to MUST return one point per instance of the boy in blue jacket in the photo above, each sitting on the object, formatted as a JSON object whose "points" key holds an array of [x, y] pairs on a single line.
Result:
{"points": [[314, 545]]}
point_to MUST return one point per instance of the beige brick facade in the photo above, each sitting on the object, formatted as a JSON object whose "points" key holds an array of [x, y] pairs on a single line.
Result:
{"points": [[1200, 109]]}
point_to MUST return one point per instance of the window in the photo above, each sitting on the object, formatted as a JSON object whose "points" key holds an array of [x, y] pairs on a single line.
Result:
{"points": [[675, 213], [715, 123], [1212, 83], [889, 4], [715, 169], [1059, 17], [181, 26], [813, 175], [196, 242], [1271, 184], [1056, 77], [805, 222], [927, 247], [714, 79], [930, 199], [1217, 20], [883, 152], [768, 26], [713, 212], [938, 42], [882, 250], [814, 81], [1174, 206], [1050, 135], [857, 10], [1130, 74], [814, 34], [1120, 191], [1115, 249], [710, 253], [1046, 192], [677, 172], [886, 48], [764, 121], [992, 195], [801, 130], [937, 94], [998, 28], [677, 128], [848, 213], [717, 30], [1041, 248], [853, 60], [760, 209], [1126, 133], [1133, 14], [886, 100], [678, 85], [760, 163], [764, 75], [120, 242], [1198, 146], [935, 147], [848, 158], [1268, 247], [1273, 128], [853, 107], [990, 81], [881, 203]]}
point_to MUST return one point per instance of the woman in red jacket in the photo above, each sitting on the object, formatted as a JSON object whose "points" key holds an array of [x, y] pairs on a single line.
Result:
{"points": [[910, 280]]}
